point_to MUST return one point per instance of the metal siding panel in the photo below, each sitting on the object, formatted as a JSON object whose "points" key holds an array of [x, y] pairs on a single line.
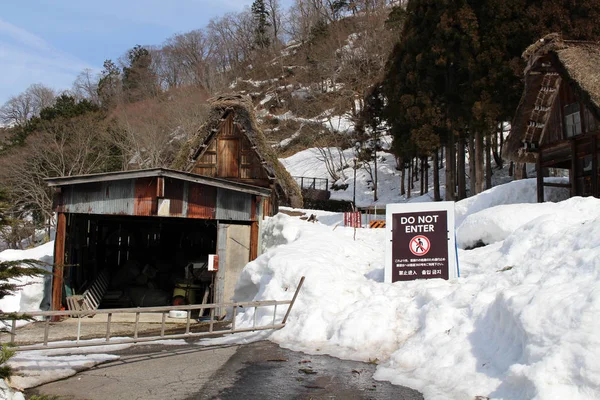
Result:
{"points": [[234, 206], [118, 199], [114, 197], [174, 192], [202, 201], [145, 196]]}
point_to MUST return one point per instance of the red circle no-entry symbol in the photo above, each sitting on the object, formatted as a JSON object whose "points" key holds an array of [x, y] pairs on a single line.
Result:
{"points": [[419, 245]]}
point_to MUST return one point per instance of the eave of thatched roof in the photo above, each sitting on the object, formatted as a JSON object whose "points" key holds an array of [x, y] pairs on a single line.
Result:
{"points": [[243, 114], [551, 61]]}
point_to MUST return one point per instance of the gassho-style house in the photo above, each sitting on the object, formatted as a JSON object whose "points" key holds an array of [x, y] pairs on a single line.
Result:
{"points": [[556, 124], [147, 234]]}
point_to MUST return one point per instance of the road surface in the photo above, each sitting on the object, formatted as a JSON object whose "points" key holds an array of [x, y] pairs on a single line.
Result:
{"points": [[260, 370]]}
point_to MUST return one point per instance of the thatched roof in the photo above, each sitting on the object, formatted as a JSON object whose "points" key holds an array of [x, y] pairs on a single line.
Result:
{"points": [[243, 114], [551, 61]]}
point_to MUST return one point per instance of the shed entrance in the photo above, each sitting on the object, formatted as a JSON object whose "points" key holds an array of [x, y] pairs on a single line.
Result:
{"points": [[149, 261]]}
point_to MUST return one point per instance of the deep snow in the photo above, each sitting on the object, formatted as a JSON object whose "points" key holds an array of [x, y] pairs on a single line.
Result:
{"points": [[520, 323], [31, 296]]}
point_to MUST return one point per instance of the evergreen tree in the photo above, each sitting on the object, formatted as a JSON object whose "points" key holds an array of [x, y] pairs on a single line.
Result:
{"points": [[109, 85], [369, 129], [427, 77], [139, 81], [67, 107], [10, 273], [262, 38]]}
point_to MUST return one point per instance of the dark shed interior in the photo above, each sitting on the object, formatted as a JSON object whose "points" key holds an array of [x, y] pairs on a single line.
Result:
{"points": [[148, 261]]}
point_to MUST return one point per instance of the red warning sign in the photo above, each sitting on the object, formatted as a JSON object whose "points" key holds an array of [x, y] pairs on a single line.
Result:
{"points": [[419, 245]]}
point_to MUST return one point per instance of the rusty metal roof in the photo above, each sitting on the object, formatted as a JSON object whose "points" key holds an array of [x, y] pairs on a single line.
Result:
{"points": [[162, 172]]}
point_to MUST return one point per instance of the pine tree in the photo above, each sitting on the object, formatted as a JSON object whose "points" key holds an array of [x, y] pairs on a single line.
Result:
{"points": [[109, 85], [10, 272], [139, 81], [427, 77], [262, 39]]}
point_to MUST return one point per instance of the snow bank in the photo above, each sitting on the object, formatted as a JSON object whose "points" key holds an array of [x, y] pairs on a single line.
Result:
{"points": [[515, 192], [497, 223], [521, 322], [34, 368], [33, 296]]}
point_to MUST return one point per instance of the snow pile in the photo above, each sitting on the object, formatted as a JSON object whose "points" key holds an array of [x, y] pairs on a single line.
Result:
{"points": [[521, 322], [515, 192], [481, 220], [34, 368], [35, 295]]}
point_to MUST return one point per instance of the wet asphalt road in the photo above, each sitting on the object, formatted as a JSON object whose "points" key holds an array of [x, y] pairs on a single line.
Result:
{"points": [[260, 370], [263, 370]]}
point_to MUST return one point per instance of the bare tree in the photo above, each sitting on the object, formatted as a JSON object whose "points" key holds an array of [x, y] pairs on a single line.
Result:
{"points": [[86, 86], [150, 132], [275, 15], [185, 59], [64, 148], [17, 110], [41, 97]]}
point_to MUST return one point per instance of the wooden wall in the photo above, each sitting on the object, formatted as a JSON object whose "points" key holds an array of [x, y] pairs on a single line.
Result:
{"points": [[231, 155]]}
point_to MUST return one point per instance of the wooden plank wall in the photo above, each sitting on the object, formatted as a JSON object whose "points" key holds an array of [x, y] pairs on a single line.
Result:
{"points": [[230, 155]]}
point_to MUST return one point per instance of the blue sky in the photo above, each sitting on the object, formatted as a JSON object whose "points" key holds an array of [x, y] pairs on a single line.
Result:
{"points": [[51, 41]]}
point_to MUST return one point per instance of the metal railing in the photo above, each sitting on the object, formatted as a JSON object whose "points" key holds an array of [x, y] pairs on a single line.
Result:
{"points": [[308, 183], [46, 344]]}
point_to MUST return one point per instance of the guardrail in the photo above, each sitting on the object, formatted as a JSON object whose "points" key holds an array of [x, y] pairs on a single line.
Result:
{"points": [[308, 183], [45, 344]]}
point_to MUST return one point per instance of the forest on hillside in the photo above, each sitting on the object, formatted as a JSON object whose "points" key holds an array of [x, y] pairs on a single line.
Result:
{"points": [[443, 78]]}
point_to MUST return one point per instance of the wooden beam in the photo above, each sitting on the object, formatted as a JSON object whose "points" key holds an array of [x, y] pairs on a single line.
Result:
{"points": [[558, 185], [59, 261], [160, 187], [253, 240], [595, 167], [540, 178], [573, 172]]}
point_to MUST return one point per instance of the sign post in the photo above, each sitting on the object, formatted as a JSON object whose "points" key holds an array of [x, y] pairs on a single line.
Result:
{"points": [[420, 242]]}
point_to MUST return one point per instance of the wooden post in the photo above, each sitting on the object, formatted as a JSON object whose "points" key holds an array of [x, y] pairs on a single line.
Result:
{"points": [[595, 166], [540, 178], [573, 173], [59, 261], [253, 240]]}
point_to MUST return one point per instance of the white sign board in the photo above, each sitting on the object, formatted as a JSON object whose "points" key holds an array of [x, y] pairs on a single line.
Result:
{"points": [[420, 242]]}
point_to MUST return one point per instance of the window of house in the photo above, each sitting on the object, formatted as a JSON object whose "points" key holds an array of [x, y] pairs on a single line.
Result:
{"points": [[572, 120]]}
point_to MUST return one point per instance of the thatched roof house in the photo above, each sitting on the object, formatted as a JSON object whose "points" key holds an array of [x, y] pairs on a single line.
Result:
{"points": [[557, 122], [556, 69], [231, 145]]}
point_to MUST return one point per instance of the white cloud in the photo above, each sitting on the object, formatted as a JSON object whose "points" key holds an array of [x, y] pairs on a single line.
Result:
{"points": [[25, 58]]}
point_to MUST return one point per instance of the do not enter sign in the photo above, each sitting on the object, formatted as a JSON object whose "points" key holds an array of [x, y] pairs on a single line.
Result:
{"points": [[420, 242]]}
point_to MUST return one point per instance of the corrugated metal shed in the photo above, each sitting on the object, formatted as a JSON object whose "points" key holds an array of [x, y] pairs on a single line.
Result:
{"points": [[233, 206], [156, 193], [99, 198]]}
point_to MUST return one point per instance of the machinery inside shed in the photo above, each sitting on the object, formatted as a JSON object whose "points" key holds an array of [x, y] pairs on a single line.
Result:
{"points": [[147, 261]]}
